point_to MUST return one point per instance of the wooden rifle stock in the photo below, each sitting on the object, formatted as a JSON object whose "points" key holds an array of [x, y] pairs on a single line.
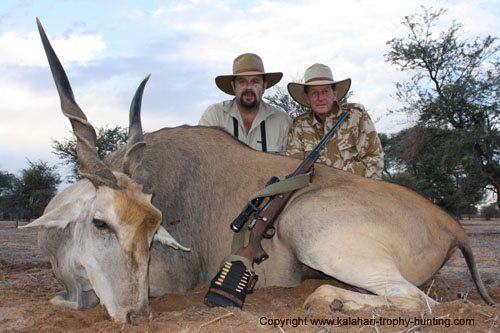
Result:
{"points": [[253, 251]]}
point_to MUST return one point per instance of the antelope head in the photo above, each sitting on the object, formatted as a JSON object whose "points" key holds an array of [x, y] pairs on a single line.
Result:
{"points": [[113, 220]]}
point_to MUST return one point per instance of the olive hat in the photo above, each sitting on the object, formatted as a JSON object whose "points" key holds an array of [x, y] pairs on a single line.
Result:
{"points": [[246, 64], [317, 75]]}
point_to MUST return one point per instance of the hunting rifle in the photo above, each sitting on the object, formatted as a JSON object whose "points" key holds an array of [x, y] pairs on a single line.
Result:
{"points": [[262, 224], [236, 278]]}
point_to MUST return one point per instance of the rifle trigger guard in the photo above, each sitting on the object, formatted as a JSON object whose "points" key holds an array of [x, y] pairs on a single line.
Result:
{"points": [[270, 232], [253, 281]]}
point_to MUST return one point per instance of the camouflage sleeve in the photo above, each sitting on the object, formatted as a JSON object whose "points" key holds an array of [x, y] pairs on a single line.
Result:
{"points": [[295, 147], [370, 161]]}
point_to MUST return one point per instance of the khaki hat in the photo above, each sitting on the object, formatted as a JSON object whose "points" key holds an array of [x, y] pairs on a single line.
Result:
{"points": [[317, 75], [246, 64]]}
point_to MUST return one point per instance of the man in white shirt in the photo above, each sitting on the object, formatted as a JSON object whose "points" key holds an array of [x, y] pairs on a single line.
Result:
{"points": [[247, 116]]}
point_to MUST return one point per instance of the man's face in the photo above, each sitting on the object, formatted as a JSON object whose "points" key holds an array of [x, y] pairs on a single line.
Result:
{"points": [[321, 99], [249, 90]]}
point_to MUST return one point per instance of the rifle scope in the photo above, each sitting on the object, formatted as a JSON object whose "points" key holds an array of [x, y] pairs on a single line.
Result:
{"points": [[240, 221]]}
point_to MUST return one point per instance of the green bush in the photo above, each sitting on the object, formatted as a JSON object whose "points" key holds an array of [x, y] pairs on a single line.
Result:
{"points": [[490, 212]]}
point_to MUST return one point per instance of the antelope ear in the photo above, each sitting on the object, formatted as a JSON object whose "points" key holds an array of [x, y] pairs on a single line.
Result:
{"points": [[164, 237], [59, 217]]}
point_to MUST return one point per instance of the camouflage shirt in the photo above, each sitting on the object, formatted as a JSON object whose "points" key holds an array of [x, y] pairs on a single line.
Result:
{"points": [[354, 146]]}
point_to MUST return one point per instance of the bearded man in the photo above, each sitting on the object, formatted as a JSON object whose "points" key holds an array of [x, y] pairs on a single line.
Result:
{"points": [[247, 116]]}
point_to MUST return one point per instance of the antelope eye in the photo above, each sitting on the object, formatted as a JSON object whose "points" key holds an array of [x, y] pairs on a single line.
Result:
{"points": [[99, 224]]}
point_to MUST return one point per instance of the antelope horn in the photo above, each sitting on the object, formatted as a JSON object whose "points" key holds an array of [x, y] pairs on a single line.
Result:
{"points": [[132, 161], [91, 166]]}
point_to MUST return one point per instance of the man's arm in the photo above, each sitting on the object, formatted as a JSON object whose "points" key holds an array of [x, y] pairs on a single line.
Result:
{"points": [[370, 161], [285, 130], [295, 148], [209, 117]]}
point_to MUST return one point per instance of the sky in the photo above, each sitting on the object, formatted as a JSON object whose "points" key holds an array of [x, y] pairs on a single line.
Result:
{"points": [[108, 47]]}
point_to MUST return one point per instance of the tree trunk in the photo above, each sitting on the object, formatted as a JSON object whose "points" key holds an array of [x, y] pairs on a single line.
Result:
{"points": [[497, 188]]}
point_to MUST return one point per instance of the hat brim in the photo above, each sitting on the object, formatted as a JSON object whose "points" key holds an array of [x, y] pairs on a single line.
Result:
{"points": [[296, 90], [223, 82]]}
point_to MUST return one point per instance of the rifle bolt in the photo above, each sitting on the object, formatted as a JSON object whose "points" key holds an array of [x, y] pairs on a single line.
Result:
{"points": [[264, 219], [281, 196]]}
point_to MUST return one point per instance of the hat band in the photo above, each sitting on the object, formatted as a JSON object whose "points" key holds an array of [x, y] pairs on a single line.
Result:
{"points": [[319, 79], [248, 70]]}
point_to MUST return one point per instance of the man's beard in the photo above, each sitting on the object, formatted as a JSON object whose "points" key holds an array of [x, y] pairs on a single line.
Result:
{"points": [[252, 104]]}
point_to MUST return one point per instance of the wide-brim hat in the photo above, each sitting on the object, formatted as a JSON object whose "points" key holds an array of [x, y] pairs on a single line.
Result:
{"points": [[246, 64], [317, 75]]}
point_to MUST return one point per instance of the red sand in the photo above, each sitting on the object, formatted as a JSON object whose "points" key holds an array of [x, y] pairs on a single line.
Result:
{"points": [[27, 284]]}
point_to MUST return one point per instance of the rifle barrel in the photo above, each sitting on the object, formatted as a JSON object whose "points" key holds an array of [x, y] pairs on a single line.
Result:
{"points": [[314, 154]]}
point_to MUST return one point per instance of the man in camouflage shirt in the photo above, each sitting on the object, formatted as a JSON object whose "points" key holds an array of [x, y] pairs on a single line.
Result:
{"points": [[355, 145]]}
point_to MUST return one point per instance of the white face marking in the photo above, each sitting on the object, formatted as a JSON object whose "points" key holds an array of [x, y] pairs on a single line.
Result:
{"points": [[105, 207], [98, 215]]}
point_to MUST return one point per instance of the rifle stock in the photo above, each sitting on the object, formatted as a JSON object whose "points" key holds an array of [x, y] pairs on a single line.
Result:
{"points": [[253, 251]]}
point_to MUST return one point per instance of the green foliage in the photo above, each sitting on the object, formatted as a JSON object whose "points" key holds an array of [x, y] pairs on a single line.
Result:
{"points": [[408, 180], [455, 82], [386, 142], [25, 196], [490, 212], [436, 163], [279, 98], [453, 95], [6, 182], [108, 140]]}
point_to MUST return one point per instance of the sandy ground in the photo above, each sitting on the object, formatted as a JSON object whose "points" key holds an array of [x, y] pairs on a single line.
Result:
{"points": [[27, 284]]}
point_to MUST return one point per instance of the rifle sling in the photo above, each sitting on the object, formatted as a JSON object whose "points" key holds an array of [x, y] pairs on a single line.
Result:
{"points": [[234, 257], [287, 185]]}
